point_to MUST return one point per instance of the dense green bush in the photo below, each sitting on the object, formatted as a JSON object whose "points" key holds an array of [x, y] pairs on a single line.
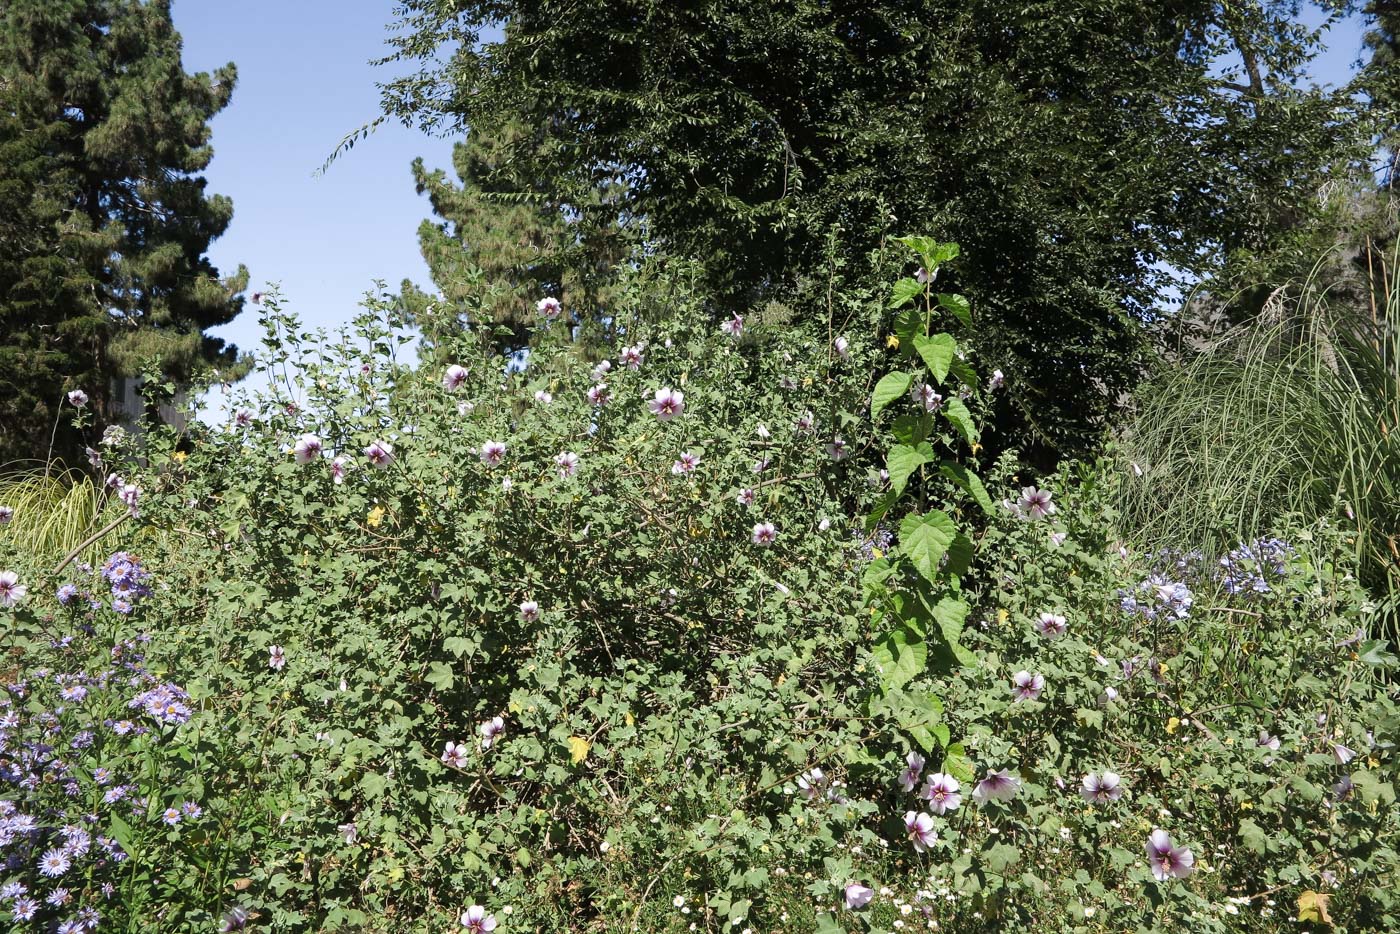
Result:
{"points": [[414, 642]]}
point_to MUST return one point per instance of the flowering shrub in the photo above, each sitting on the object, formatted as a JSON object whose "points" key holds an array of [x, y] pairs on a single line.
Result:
{"points": [[676, 637]]}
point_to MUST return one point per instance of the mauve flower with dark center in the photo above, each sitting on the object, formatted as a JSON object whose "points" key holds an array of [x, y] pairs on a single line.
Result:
{"points": [[918, 827], [842, 346], [926, 396], [997, 381], [746, 497], [924, 277], [667, 403], [1050, 625], [1267, 741], [764, 534], [1058, 538], [1026, 686], [810, 783], [996, 786], [276, 658], [6, 514], [493, 453], [1168, 861], [1342, 754], [235, 919], [549, 308], [477, 921], [1035, 503], [941, 793], [806, 421], [380, 453], [600, 395], [77, 398], [455, 755], [837, 449], [490, 730], [529, 611], [11, 590], [734, 327], [567, 462], [338, 469], [1101, 788], [858, 896], [631, 357], [243, 418], [307, 449], [543, 397], [686, 463], [914, 768], [1343, 789], [455, 376]]}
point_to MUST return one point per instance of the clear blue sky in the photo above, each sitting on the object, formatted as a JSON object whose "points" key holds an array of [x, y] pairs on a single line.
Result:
{"points": [[304, 81]]}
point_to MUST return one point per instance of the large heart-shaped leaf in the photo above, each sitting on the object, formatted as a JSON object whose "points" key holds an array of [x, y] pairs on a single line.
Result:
{"points": [[937, 352], [925, 539], [890, 387], [901, 656]]}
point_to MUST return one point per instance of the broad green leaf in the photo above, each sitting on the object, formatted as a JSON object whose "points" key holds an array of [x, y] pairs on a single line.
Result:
{"points": [[901, 656], [1253, 836], [908, 327], [957, 414], [903, 460], [890, 387], [910, 429], [957, 306], [440, 676], [904, 291], [937, 353], [968, 481], [924, 540], [881, 507]]}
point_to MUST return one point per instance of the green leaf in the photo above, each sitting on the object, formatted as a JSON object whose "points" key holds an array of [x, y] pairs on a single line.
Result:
{"points": [[904, 292], [901, 656], [910, 429], [1373, 652], [908, 327], [968, 481], [903, 460], [924, 540], [937, 353], [1253, 836], [890, 387], [957, 414], [957, 306], [440, 676]]}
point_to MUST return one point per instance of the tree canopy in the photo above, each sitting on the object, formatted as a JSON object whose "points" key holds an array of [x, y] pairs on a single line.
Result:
{"points": [[1081, 151], [104, 218]]}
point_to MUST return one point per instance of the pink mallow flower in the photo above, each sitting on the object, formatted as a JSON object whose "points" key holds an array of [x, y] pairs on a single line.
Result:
{"points": [[838, 449], [1050, 625], [1026, 686], [77, 398], [477, 921], [11, 590], [493, 453], [455, 755], [914, 768], [490, 730], [567, 462], [941, 792], [667, 404], [529, 611], [549, 308], [996, 786], [734, 327], [380, 453], [455, 376], [1035, 504], [338, 469], [1168, 861], [6, 514], [307, 449], [764, 534], [858, 896], [686, 463], [746, 497], [276, 658], [918, 826], [1101, 788], [599, 394], [631, 357]]}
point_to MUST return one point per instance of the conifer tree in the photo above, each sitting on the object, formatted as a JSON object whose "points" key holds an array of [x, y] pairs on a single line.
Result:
{"points": [[104, 219]]}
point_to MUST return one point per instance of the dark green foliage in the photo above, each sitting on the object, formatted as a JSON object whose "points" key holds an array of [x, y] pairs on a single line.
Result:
{"points": [[104, 221], [503, 242], [1076, 149]]}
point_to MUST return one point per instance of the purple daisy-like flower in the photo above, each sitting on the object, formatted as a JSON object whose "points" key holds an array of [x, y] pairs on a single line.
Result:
{"points": [[1168, 861], [171, 816], [764, 534], [1026, 686], [942, 793], [54, 863], [477, 921], [667, 403], [1101, 788], [455, 376], [918, 827], [23, 909]]}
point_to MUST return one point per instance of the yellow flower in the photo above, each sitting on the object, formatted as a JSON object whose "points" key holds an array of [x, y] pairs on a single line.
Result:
{"points": [[179, 457], [1173, 725], [376, 516], [892, 342]]}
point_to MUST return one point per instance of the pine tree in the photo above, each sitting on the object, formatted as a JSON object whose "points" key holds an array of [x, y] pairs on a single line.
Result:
{"points": [[104, 219], [499, 243]]}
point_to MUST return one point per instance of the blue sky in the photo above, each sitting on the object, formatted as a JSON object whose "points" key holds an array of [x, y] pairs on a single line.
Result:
{"points": [[304, 81]]}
